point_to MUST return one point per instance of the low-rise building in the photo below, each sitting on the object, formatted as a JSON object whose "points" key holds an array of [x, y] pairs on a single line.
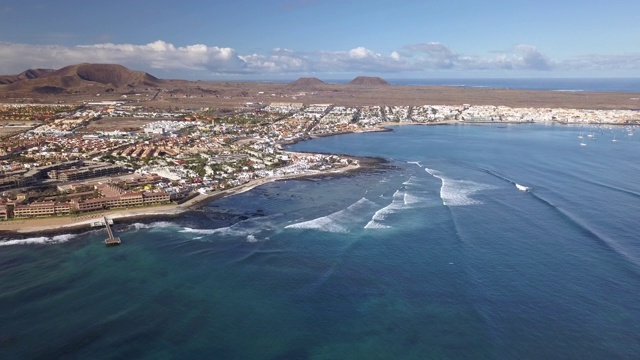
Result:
{"points": [[36, 209]]}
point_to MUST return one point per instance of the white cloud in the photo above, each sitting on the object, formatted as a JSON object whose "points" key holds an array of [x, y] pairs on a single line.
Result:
{"points": [[163, 55], [435, 56], [362, 53], [203, 61], [156, 55], [596, 62], [531, 58], [359, 59]]}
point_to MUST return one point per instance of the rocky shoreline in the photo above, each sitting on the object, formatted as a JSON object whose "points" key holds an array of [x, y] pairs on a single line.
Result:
{"points": [[56, 226]]}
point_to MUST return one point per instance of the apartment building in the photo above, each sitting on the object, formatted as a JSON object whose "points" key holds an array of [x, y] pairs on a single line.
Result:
{"points": [[37, 209], [87, 172], [4, 211]]}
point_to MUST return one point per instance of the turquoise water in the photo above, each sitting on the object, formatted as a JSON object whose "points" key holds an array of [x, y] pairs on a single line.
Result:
{"points": [[438, 255]]}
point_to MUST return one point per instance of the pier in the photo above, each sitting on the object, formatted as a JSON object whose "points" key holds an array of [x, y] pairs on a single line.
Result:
{"points": [[112, 240]]}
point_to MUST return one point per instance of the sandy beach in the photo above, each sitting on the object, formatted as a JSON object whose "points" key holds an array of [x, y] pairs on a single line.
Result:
{"points": [[83, 221]]}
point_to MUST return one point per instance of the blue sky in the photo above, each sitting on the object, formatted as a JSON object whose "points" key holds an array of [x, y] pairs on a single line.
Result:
{"points": [[329, 39]]}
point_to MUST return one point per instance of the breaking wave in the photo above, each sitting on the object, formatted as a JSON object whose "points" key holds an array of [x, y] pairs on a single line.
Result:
{"points": [[502, 177], [340, 221], [397, 203], [153, 225], [42, 240], [245, 228], [411, 200], [411, 181], [458, 192]]}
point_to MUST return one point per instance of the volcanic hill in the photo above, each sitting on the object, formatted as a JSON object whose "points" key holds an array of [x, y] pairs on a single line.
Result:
{"points": [[367, 80], [78, 78], [25, 75], [305, 82]]}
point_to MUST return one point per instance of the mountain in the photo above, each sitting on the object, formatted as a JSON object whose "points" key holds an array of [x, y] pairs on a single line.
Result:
{"points": [[367, 80], [28, 74], [82, 77], [305, 82]]}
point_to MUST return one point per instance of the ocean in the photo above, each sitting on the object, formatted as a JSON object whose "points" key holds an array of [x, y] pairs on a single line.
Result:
{"points": [[471, 242], [546, 84]]}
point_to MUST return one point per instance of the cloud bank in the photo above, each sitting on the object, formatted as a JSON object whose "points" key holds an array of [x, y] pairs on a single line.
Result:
{"points": [[209, 61]]}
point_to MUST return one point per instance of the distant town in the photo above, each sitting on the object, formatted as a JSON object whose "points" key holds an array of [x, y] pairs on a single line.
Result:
{"points": [[65, 160]]}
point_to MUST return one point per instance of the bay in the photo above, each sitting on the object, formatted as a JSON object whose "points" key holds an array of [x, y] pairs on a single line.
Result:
{"points": [[438, 254]]}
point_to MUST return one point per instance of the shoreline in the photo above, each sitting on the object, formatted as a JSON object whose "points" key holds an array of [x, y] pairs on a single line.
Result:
{"points": [[52, 226]]}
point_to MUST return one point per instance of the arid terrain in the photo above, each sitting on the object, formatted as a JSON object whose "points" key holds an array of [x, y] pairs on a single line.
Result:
{"points": [[99, 82]]}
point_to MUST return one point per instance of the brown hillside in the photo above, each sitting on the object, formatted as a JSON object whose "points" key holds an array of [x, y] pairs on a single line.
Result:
{"points": [[304, 82], [25, 75], [367, 80], [76, 78]]}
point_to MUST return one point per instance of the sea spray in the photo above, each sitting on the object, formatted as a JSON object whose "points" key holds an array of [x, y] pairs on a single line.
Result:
{"points": [[41, 240]]}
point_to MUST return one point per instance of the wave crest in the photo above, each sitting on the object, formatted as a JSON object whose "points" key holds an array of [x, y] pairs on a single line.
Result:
{"points": [[41, 240], [458, 192], [339, 221]]}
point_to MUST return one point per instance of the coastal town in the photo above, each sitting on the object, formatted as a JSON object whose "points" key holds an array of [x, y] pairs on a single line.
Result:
{"points": [[70, 159]]}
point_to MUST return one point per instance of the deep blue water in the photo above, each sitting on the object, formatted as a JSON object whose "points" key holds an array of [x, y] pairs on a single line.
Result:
{"points": [[440, 255]]}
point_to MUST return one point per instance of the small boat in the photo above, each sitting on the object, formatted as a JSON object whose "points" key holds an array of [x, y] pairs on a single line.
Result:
{"points": [[522, 187], [582, 143], [614, 139]]}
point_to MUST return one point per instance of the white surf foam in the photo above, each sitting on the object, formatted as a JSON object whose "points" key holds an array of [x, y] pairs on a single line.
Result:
{"points": [[373, 224], [201, 231], [154, 225], [411, 181], [413, 200], [414, 162], [325, 223], [458, 192], [242, 228], [397, 203], [433, 172], [338, 222], [63, 238], [42, 240]]}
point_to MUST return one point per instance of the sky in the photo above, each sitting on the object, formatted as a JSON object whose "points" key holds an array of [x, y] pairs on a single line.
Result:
{"points": [[328, 39]]}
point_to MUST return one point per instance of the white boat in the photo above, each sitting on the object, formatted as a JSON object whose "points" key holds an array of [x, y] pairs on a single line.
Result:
{"points": [[580, 136], [522, 187], [614, 139], [582, 143]]}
